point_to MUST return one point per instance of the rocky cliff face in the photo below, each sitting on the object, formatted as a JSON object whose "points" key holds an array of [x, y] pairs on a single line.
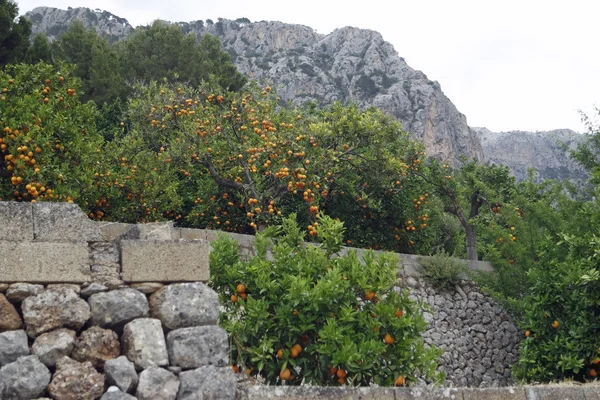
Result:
{"points": [[546, 152], [349, 64]]}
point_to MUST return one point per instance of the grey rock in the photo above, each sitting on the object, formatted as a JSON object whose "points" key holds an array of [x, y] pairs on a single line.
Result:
{"points": [[17, 292], [4, 287], [97, 345], [198, 346], [147, 287], [103, 253], [116, 308], [116, 394], [76, 381], [208, 382], [13, 344], [121, 373], [54, 345], [16, 220], [144, 343], [72, 225], [54, 308], [72, 286], [9, 317], [157, 384], [184, 305], [24, 379], [93, 288]]}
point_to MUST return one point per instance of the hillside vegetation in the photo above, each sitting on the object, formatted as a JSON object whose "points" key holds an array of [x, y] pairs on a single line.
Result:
{"points": [[175, 132]]}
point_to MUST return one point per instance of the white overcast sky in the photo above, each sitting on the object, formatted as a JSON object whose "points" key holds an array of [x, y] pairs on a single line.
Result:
{"points": [[507, 65]]}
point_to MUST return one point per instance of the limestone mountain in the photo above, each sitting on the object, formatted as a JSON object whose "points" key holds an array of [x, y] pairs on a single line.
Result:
{"points": [[348, 64], [546, 152]]}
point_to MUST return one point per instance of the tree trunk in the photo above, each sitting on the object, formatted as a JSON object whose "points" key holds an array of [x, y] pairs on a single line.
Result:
{"points": [[471, 241]]}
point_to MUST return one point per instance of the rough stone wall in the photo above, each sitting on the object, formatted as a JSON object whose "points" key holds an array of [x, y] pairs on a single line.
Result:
{"points": [[478, 337], [85, 342]]}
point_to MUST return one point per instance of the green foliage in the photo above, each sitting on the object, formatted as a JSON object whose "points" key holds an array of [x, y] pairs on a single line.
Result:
{"points": [[14, 34], [300, 314], [41, 50], [442, 271], [562, 315], [163, 51], [48, 142]]}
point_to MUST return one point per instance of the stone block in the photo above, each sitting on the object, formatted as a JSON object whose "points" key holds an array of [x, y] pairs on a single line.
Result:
{"points": [[207, 383], [592, 392], [192, 234], [554, 392], [112, 231], [198, 346], [259, 392], [44, 262], [157, 231], [144, 343], [164, 261], [63, 222], [16, 220], [500, 393]]}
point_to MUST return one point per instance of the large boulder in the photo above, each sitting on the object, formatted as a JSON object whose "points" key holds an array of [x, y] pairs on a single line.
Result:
{"points": [[157, 384], [54, 308], [184, 305], [9, 317], [144, 343], [116, 308], [23, 379], [54, 345], [120, 372], [198, 346], [13, 344], [76, 381], [210, 382], [97, 346]]}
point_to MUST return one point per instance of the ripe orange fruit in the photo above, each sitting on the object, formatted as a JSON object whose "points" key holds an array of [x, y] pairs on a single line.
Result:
{"points": [[241, 288], [332, 370], [294, 353], [341, 373], [285, 374], [555, 324], [596, 361], [399, 313], [235, 369], [370, 295], [280, 353], [341, 381], [243, 296], [234, 298], [388, 339], [593, 373], [527, 333]]}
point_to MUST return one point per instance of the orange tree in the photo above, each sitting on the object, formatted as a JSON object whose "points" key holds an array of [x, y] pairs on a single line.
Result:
{"points": [[302, 314], [239, 161], [48, 140]]}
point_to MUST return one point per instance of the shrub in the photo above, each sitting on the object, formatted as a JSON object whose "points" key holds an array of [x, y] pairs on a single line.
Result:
{"points": [[562, 315], [442, 270], [300, 313]]}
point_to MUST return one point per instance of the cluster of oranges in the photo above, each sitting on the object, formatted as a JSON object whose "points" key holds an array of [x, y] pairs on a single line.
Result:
{"points": [[241, 290]]}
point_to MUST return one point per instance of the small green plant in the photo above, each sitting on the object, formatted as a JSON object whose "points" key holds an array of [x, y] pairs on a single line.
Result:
{"points": [[299, 313], [441, 270]]}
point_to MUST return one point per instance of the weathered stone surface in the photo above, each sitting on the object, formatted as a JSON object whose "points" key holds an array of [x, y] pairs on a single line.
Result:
{"points": [[144, 343], [147, 287], [93, 288], [107, 274], [208, 382], [120, 372], [4, 287], [114, 231], [74, 287], [97, 346], [16, 220], [76, 381], [60, 222], [23, 379], [198, 346], [54, 345], [113, 393], [164, 261], [554, 392], [505, 393], [117, 307], [55, 308], [260, 392], [44, 262], [184, 305], [13, 344], [157, 231], [9, 318], [192, 234], [157, 384], [17, 292], [104, 253], [592, 392]]}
